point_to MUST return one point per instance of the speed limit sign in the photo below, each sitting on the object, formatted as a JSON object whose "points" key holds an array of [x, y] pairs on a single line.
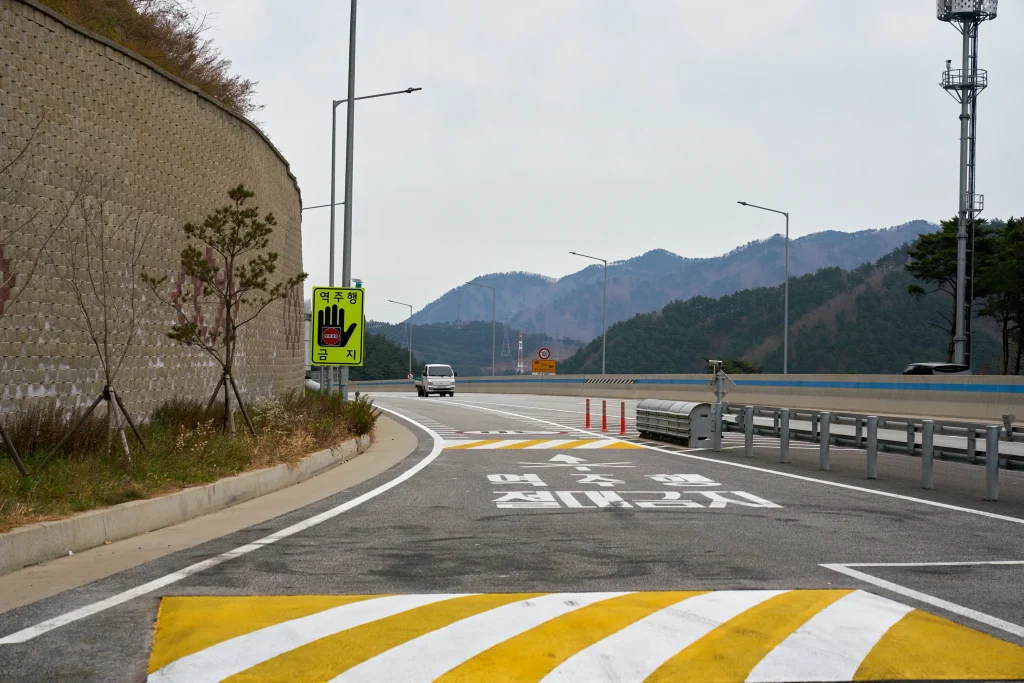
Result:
{"points": [[544, 353]]}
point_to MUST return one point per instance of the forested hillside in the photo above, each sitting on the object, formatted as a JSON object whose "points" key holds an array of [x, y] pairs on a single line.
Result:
{"points": [[384, 359], [572, 306], [862, 320], [467, 347]]}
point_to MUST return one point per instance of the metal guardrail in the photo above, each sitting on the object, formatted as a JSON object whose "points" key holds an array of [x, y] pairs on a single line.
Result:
{"points": [[917, 438]]}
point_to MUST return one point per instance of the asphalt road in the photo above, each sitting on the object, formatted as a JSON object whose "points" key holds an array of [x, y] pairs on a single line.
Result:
{"points": [[514, 544]]}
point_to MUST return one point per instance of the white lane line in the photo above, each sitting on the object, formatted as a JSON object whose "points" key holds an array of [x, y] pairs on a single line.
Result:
{"points": [[787, 475], [31, 632], [431, 655], [234, 656], [831, 645], [973, 563], [980, 617], [635, 652]]}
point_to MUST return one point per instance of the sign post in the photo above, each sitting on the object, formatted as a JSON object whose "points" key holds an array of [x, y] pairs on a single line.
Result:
{"points": [[336, 337]]}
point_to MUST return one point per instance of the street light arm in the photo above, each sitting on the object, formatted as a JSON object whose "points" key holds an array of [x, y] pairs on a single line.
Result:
{"points": [[383, 94], [763, 208], [576, 253]]}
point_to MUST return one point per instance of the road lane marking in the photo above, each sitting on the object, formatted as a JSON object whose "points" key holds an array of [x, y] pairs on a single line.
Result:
{"points": [[90, 609], [787, 475], [980, 617], [762, 635]]}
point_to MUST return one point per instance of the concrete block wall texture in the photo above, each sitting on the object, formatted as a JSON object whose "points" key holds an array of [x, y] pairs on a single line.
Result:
{"points": [[162, 154], [979, 398]]}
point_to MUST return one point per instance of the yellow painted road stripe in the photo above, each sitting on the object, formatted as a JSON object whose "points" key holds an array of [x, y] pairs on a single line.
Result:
{"points": [[578, 443], [473, 444], [922, 646], [523, 444], [732, 650], [329, 657], [533, 654], [186, 625], [623, 445]]}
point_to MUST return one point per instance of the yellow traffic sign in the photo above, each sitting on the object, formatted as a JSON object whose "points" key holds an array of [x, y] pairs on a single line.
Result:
{"points": [[546, 367], [336, 326]]}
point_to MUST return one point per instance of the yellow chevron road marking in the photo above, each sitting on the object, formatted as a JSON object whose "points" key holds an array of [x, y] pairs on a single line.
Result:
{"points": [[187, 625], [836, 635], [522, 444], [326, 658], [918, 647], [474, 444], [532, 655], [733, 649], [541, 444]]}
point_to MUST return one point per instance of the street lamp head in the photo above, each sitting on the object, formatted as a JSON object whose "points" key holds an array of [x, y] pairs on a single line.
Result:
{"points": [[412, 89], [743, 203]]}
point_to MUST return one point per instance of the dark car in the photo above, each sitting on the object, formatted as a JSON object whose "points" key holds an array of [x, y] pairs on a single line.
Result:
{"points": [[936, 369]]}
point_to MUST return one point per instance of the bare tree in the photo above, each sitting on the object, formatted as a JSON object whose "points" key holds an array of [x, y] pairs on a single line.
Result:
{"points": [[236, 282], [98, 257], [25, 233]]}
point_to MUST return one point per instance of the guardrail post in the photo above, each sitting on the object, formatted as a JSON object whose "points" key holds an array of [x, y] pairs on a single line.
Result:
{"points": [[588, 413], [972, 444], [604, 416], [872, 447], [622, 426], [824, 424], [784, 434], [911, 439], [992, 463], [748, 430], [717, 426], [927, 454]]}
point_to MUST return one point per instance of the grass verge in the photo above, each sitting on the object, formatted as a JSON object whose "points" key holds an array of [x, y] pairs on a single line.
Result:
{"points": [[184, 449]]}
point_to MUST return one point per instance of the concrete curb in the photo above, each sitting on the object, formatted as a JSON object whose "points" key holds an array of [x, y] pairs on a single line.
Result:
{"points": [[48, 540]]}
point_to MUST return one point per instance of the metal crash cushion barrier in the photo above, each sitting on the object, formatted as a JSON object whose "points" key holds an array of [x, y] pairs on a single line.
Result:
{"points": [[690, 422]]}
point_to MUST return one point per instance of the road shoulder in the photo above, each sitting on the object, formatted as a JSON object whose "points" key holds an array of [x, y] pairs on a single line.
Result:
{"points": [[393, 443]]}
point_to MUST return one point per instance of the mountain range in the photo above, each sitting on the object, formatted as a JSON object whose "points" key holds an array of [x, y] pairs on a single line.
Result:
{"points": [[862, 320], [571, 306]]}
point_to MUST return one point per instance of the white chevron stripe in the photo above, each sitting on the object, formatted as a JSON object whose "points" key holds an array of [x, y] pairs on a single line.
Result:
{"points": [[831, 645], [635, 652], [238, 654], [431, 655]]}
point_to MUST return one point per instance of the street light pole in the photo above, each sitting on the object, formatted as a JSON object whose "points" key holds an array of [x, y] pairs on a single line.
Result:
{"points": [[494, 310], [604, 309], [785, 311], [408, 328], [346, 259]]}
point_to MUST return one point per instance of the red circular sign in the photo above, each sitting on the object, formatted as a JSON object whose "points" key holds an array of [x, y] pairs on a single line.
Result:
{"points": [[331, 336], [544, 354]]}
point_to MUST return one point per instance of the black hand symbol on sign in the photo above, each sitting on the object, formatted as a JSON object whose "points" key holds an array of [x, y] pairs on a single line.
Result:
{"points": [[333, 317]]}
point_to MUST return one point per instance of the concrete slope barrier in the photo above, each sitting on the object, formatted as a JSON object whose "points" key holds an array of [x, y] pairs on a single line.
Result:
{"points": [[37, 543], [984, 398]]}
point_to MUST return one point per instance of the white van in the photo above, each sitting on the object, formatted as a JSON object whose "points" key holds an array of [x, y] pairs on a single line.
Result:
{"points": [[436, 379]]}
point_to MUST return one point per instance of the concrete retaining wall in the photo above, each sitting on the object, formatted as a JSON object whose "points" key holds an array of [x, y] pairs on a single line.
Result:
{"points": [[973, 398], [46, 541], [94, 117]]}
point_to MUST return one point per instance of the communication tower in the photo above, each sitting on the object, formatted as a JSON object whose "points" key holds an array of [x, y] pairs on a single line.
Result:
{"points": [[506, 350], [520, 368], [965, 84]]}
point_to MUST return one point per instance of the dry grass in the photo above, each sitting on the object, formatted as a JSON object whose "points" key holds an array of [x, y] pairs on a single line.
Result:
{"points": [[168, 33], [184, 449]]}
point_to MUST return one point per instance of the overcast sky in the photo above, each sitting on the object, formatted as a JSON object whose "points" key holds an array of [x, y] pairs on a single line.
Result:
{"points": [[613, 127]]}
